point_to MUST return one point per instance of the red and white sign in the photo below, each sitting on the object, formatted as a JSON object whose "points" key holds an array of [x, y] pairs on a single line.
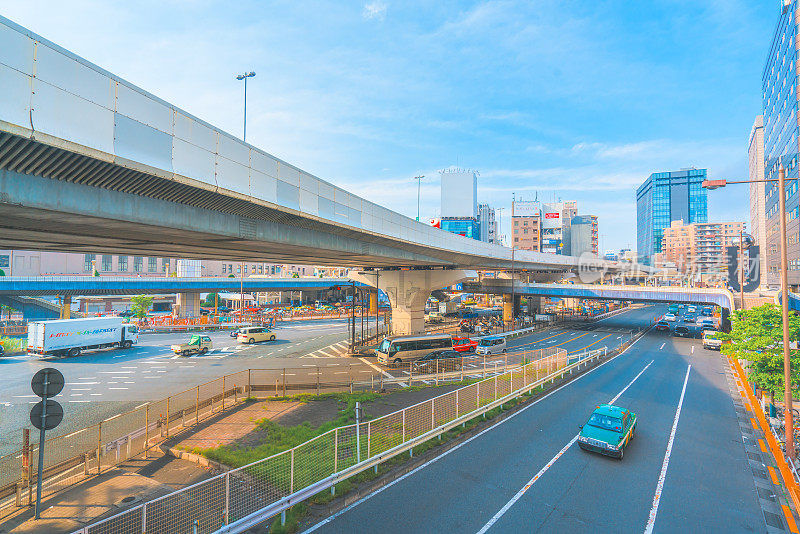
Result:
{"points": [[552, 215], [436, 223]]}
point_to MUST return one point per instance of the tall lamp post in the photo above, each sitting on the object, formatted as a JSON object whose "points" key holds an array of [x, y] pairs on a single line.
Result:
{"points": [[419, 180], [244, 77], [787, 372]]}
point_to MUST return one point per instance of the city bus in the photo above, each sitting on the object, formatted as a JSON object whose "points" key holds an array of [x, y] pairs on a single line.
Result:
{"points": [[400, 349]]}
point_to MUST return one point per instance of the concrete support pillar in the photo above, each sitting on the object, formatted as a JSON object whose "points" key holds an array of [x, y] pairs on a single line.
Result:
{"points": [[373, 304], [188, 304], [66, 305], [508, 308], [408, 291]]}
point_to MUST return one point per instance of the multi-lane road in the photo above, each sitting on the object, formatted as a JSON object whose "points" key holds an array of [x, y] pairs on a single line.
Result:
{"points": [[101, 384], [690, 468]]}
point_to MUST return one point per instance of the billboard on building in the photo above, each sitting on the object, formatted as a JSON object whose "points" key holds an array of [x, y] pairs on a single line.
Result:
{"points": [[551, 215], [526, 208], [459, 193]]}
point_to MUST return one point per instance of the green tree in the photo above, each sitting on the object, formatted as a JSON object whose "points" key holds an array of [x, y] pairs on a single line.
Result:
{"points": [[295, 275], [211, 300], [231, 276], [757, 336], [140, 305], [2, 272]]}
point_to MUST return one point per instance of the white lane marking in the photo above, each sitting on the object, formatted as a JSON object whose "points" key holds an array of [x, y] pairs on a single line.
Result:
{"points": [[79, 401], [549, 464], [662, 346], [651, 521], [465, 442], [88, 378], [95, 394], [115, 372], [692, 349], [76, 395], [81, 389], [134, 367], [117, 388], [81, 383]]}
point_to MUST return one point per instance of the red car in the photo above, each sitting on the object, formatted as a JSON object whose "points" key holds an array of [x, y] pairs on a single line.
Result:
{"points": [[662, 325], [464, 344]]}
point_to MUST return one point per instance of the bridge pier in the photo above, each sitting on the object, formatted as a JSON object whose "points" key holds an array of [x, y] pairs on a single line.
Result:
{"points": [[188, 304], [408, 291], [66, 303]]}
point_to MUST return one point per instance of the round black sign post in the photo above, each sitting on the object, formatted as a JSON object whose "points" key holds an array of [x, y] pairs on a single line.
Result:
{"points": [[45, 415]]}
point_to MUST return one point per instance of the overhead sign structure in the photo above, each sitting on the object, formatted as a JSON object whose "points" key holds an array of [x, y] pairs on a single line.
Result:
{"points": [[45, 415]]}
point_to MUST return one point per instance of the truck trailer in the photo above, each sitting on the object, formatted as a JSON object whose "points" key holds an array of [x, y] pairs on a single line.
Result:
{"points": [[68, 337]]}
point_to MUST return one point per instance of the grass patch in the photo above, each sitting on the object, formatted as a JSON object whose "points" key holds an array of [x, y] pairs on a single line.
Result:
{"points": [[11, 344], [279, 438]]}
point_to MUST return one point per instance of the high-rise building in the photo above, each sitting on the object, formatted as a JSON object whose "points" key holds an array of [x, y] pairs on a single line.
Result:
{"points": [[526, 225], [459, 193], [665, 197], [698, 247], [780, 110], [583, 235], [758, 193], [543, 227], [487, 223]]}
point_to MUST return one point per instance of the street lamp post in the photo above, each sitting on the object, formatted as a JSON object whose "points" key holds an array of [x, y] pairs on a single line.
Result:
{"points": [[419, 180], [244, 77], [787, 371]]}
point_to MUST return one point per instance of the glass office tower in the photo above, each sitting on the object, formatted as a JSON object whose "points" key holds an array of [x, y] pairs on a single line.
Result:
{"points": [[665, 197], [779, 85]]}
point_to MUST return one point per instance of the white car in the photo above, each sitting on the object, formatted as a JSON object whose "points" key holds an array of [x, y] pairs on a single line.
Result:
{"points": [[492, 345], [691, 309], [670, 317], [710, 340]]}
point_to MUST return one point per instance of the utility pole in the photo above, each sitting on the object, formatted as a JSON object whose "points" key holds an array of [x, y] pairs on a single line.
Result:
{"points": [[244, 77], [741, 268], [513, 248], [418, 179], [787, 370]]}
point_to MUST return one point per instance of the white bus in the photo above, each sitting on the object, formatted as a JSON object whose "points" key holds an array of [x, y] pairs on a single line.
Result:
{"points": [[401, 349]]}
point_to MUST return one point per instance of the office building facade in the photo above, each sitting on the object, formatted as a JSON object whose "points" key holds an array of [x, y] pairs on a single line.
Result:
{"points": [[780, 120], [698, 248], [583, 235], [665, 197], [459, 193], [543, 227], [488, 224], [758, 192]]}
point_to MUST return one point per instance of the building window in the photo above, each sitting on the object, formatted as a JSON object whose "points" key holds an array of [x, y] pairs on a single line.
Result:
{"points": [[165, 264], [224, 268], [87, 262], [239, 268], [122, 263], [105, 264], [152, 265], [4, 260], [253, 269], [138, 264], [260, 269]]}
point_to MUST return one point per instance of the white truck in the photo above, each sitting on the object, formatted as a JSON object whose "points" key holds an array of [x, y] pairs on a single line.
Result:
{"points": [[68, 337]]}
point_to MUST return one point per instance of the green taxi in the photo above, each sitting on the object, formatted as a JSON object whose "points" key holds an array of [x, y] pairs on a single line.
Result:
{"points": [[608, 430]]}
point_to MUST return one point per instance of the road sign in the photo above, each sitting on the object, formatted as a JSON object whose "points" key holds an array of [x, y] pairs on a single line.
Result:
{"points": [[55, 413], [54, 380]]}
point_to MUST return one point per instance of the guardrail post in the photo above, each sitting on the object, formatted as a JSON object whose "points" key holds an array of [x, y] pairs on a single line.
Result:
{"points": [[223, 393], [495, 386], [99, 443], [291, 474], [197, 407], [249, 384], [433, 417], [284, 381], [144, 518], [318, 381], [336, 450], [369, 440], [484, 366], [227, 496], [404, 425], [146, 430], [166, 424]]}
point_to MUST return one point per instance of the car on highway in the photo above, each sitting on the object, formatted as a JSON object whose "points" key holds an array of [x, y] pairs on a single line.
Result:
{"points": [[608, 431], [691, 309], [669, 317], [673, 308], [197, 345], [438, 361], [464, 344], [492, 345], [706, 323], [711, 340], [682, 331], [707, 312], [662, 326], [255, 334]]}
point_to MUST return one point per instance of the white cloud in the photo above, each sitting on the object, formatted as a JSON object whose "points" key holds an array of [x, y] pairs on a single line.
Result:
{"points": [[374, 10]]}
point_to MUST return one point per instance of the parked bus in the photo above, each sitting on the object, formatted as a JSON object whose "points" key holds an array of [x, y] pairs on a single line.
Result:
{"points": [[401, 349]]}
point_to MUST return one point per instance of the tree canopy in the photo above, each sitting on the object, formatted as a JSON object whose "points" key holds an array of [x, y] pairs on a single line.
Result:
{"points": [[140, 305], [756, 336]]}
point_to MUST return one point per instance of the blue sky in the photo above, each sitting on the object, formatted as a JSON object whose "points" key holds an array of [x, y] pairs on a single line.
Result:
{"points": [[578, 100]]}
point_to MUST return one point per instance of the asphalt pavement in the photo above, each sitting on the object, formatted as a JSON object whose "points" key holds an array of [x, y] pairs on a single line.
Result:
{"points": [[527, 474]]}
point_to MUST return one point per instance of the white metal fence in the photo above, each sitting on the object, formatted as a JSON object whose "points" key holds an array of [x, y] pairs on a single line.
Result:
{"points": [[243, 497]]}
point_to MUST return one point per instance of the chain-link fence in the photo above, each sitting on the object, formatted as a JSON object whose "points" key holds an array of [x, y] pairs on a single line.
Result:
{"points": [[255, 492]]}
